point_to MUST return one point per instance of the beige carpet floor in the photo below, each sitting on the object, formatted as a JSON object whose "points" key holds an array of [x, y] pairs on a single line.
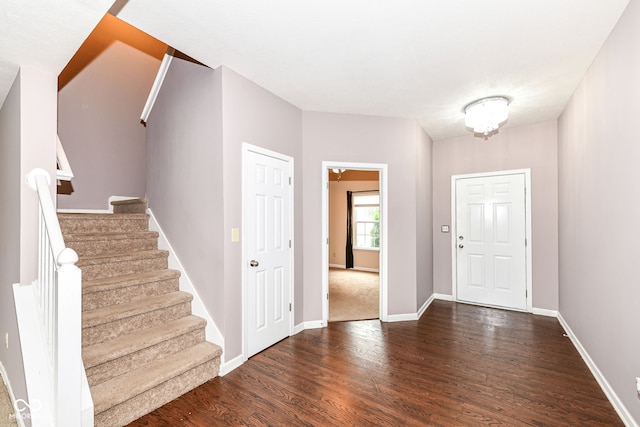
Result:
{"points": [[7, 414], [353, 295]]}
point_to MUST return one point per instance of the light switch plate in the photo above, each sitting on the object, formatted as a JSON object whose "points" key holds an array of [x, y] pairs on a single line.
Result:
{"points": [[444, 228], [235, 235]]}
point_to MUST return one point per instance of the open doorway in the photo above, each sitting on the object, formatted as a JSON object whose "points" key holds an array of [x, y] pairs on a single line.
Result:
{"points": [[354, 223]]}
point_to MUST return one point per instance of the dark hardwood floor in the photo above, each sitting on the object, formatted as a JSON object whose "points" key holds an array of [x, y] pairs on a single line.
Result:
{"points": [[459, 365]]}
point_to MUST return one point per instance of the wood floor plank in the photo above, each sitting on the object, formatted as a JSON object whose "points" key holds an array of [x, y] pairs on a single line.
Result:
{"points": [[459, 365]]}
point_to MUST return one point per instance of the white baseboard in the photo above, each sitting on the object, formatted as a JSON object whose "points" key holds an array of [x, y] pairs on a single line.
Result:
{"points": [[544, 312], [402, 317], [426, 305], [232, 364], [314, 324], [443, 297], [622, 411], [212, 332]]}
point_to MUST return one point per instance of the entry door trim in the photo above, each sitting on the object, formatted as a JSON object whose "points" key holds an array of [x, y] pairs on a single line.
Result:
{"points": [[454, 231], [384, 239], [246, 148]]}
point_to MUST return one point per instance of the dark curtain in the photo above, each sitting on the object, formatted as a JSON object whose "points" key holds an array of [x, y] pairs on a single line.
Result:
{"points": [[349, 258]]}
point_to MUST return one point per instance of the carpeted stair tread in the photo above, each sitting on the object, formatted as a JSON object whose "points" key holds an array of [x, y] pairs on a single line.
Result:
{"points": [[115, 235], [103, 352], [120, 389], [127, 256], [128, 280], [74, 223], [122, 311]]}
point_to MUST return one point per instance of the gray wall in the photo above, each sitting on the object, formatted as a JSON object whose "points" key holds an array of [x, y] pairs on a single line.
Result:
{"points": [[599, 182], [184, 175], [366, 139], [424, 218], [252, 114], [100, 129], [194, 161], [27, 141], [532, 147]]}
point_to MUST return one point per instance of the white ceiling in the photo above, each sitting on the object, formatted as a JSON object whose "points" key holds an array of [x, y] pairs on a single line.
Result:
{"points": [[421, 59]]}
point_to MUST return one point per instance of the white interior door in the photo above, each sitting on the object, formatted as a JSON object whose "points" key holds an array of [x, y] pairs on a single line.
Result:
{"points": [[490, 240], [268, 250]]}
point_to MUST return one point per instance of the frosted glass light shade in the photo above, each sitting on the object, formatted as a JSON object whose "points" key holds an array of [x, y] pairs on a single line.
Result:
{"points": [[486, 115]]}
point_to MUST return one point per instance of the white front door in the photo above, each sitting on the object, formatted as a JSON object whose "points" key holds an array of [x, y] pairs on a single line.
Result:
{"points": [[490, 240], [268, 250]]}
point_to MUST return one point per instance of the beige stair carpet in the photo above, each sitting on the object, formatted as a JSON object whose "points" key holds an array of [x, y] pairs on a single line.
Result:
{"points": [[142, 347], [353, 295], [7, 413]]}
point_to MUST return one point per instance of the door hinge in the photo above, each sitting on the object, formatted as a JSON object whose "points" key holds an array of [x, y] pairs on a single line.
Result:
{"points": [[289, 180], [289, 306], [327, 296], [525, 242], [289, 244], [327, 240]]}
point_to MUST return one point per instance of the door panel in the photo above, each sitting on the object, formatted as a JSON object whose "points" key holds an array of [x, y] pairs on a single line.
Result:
{"points": [[490, 241], [267, 206]]}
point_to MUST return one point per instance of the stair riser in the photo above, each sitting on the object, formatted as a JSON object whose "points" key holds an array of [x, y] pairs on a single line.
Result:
{"points": [[94, 300], [132, 409], [103, 247], [119, 268], [103, 225], [107, 331], [116, 367]]}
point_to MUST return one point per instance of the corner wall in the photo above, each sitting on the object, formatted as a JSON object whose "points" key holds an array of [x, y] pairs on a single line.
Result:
{"points": [[100, 130], [185, 173], [599, 210], [533, 147], [27, 141]]}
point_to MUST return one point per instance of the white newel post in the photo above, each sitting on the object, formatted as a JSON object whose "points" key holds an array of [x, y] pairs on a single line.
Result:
{"points": [[68, 363]]}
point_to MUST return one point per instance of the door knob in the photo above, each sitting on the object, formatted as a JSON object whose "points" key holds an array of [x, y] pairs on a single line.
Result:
{"points": [[254, 263], [461, 246]]}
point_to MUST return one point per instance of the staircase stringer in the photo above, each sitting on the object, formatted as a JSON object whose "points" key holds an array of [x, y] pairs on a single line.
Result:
{"points": [[198, 308]]}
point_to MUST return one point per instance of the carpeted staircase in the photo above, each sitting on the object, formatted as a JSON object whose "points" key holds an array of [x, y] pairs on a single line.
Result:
{"points": [[142, 347]]}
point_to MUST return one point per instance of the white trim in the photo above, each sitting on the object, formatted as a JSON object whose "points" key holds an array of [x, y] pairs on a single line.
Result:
{"points": [[622, 411], [402, 317], [232, 364], [246, 148], [63, 172], [384, 221], [12, 397], [313, 324], [544, 312], [426, 305], [157, 84], [528, 234], [212, 333], [443, 297]]}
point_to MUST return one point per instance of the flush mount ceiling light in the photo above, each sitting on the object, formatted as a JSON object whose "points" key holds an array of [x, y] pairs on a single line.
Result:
{"points": [[487, 114]]}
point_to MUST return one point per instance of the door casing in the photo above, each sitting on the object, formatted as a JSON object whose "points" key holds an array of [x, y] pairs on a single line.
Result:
{"points": [[246, 148], [384, 221], [454, 231]]}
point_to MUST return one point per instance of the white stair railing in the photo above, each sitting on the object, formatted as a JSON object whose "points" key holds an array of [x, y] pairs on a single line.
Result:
{"points": [[57, 296]]}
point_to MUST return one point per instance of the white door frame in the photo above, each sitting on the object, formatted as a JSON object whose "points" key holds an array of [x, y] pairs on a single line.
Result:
{"points": [[246, 148], [384, 221], [454, 231]]}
